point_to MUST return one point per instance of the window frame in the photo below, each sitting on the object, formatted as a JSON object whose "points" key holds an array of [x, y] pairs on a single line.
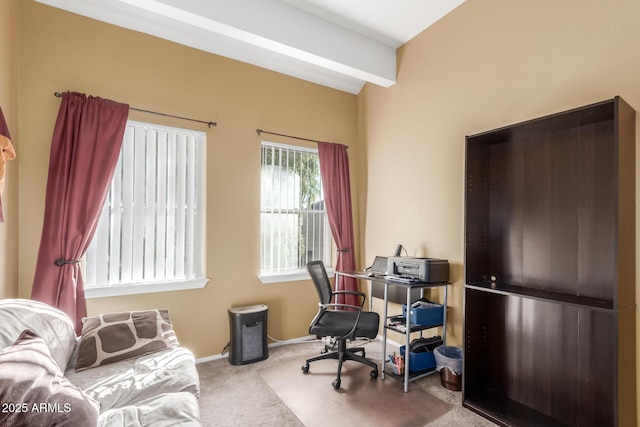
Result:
{"points": [[144, 288], [141, 287], [301, 273]]}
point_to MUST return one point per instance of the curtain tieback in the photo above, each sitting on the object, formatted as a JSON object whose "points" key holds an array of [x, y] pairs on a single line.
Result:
{"points": [[61, 262], [344, 250]]}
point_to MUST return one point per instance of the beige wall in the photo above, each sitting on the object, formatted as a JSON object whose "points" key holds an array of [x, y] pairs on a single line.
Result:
{"points": [[488, 64], [9, 104], [60, 51]]}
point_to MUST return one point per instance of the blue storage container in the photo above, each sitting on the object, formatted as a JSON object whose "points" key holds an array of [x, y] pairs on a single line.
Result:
{"points": [[427, 314], [420, 361]]}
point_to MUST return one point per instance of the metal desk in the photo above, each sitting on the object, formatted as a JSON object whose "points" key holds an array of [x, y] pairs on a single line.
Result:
{"points": [[388, 281]]}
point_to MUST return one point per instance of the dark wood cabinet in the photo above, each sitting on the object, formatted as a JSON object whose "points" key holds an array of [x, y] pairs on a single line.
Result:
{"points": [[550, 270]]}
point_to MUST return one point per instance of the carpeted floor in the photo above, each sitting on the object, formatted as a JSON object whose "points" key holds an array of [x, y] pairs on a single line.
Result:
{"points": [[243, 395]]}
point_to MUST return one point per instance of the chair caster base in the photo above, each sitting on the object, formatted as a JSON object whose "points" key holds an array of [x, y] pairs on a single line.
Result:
{"points": [[336, 384], [305, 368]]}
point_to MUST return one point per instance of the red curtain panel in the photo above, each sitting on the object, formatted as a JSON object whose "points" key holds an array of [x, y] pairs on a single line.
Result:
{"points": [[84, 151], [334, 169]]}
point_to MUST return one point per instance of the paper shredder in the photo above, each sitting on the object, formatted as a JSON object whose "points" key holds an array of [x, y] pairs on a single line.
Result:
{"points": [[248, 330]]}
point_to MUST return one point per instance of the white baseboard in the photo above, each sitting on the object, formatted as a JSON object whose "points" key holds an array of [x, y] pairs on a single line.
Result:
{"points": [[210, 358], [293, 341], [389, 341], [306, 339], [273, 344]]}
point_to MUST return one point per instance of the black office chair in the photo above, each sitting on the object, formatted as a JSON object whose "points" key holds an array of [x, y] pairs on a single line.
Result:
{"points": [[340, 321]]}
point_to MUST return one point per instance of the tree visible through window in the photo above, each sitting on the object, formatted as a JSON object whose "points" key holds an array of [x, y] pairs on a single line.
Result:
{"points": [[293, 222]]}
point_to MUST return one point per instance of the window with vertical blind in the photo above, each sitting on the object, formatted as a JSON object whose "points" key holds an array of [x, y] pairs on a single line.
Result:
{"points": [[294, 228], [150, 236]]}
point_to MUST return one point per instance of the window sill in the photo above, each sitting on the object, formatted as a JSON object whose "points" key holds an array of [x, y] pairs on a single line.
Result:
{"points": [[143, 288], [293, 276]]}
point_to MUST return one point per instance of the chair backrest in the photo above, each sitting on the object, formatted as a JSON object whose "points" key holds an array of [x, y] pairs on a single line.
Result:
{"points": [[321, 281]]}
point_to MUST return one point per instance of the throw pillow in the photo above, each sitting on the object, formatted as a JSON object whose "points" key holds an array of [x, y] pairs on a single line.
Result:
{"points": [[35, 392], [110, 338]]}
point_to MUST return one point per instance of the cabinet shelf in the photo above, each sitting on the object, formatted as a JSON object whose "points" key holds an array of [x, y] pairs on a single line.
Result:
{"points": [[507, 412], [412, 375], [412, 328], [540, 294], [401, 328]]}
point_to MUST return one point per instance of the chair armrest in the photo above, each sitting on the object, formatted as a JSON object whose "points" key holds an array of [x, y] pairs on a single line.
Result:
{"points": [[349, 292], [356, 293], [355, 307]]}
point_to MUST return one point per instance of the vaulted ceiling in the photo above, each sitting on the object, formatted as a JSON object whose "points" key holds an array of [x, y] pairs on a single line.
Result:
{"points": [[342, 44]]}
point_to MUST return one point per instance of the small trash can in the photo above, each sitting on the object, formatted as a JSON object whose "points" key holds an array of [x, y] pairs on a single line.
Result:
{"points": [[449, 364], [248, 331]]}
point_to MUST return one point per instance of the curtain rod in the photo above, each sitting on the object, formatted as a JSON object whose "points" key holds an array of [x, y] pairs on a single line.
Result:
{"points": [[259, 131], [209, 124]]}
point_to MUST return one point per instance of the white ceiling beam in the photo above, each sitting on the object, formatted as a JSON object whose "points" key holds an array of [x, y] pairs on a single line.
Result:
{"points": [[267, 33], [285, 30]]}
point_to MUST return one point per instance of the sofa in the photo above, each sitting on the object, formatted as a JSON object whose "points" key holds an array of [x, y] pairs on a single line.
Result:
{"points": [[126, 369]]}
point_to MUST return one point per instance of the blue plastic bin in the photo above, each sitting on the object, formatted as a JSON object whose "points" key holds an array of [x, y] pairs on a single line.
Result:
{"points": [[419, 361], [429, 313]]}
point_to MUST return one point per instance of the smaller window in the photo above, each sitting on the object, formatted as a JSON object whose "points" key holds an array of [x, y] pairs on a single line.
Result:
{"points": [[294, 228]]}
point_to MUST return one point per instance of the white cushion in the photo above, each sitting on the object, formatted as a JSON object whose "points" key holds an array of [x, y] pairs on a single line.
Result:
{"points": [[130, 381], [50, 324], [173, 409]]}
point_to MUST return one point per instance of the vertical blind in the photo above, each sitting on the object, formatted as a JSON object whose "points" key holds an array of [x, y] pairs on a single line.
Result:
{"points": [[294, 226], [151, 228]]}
